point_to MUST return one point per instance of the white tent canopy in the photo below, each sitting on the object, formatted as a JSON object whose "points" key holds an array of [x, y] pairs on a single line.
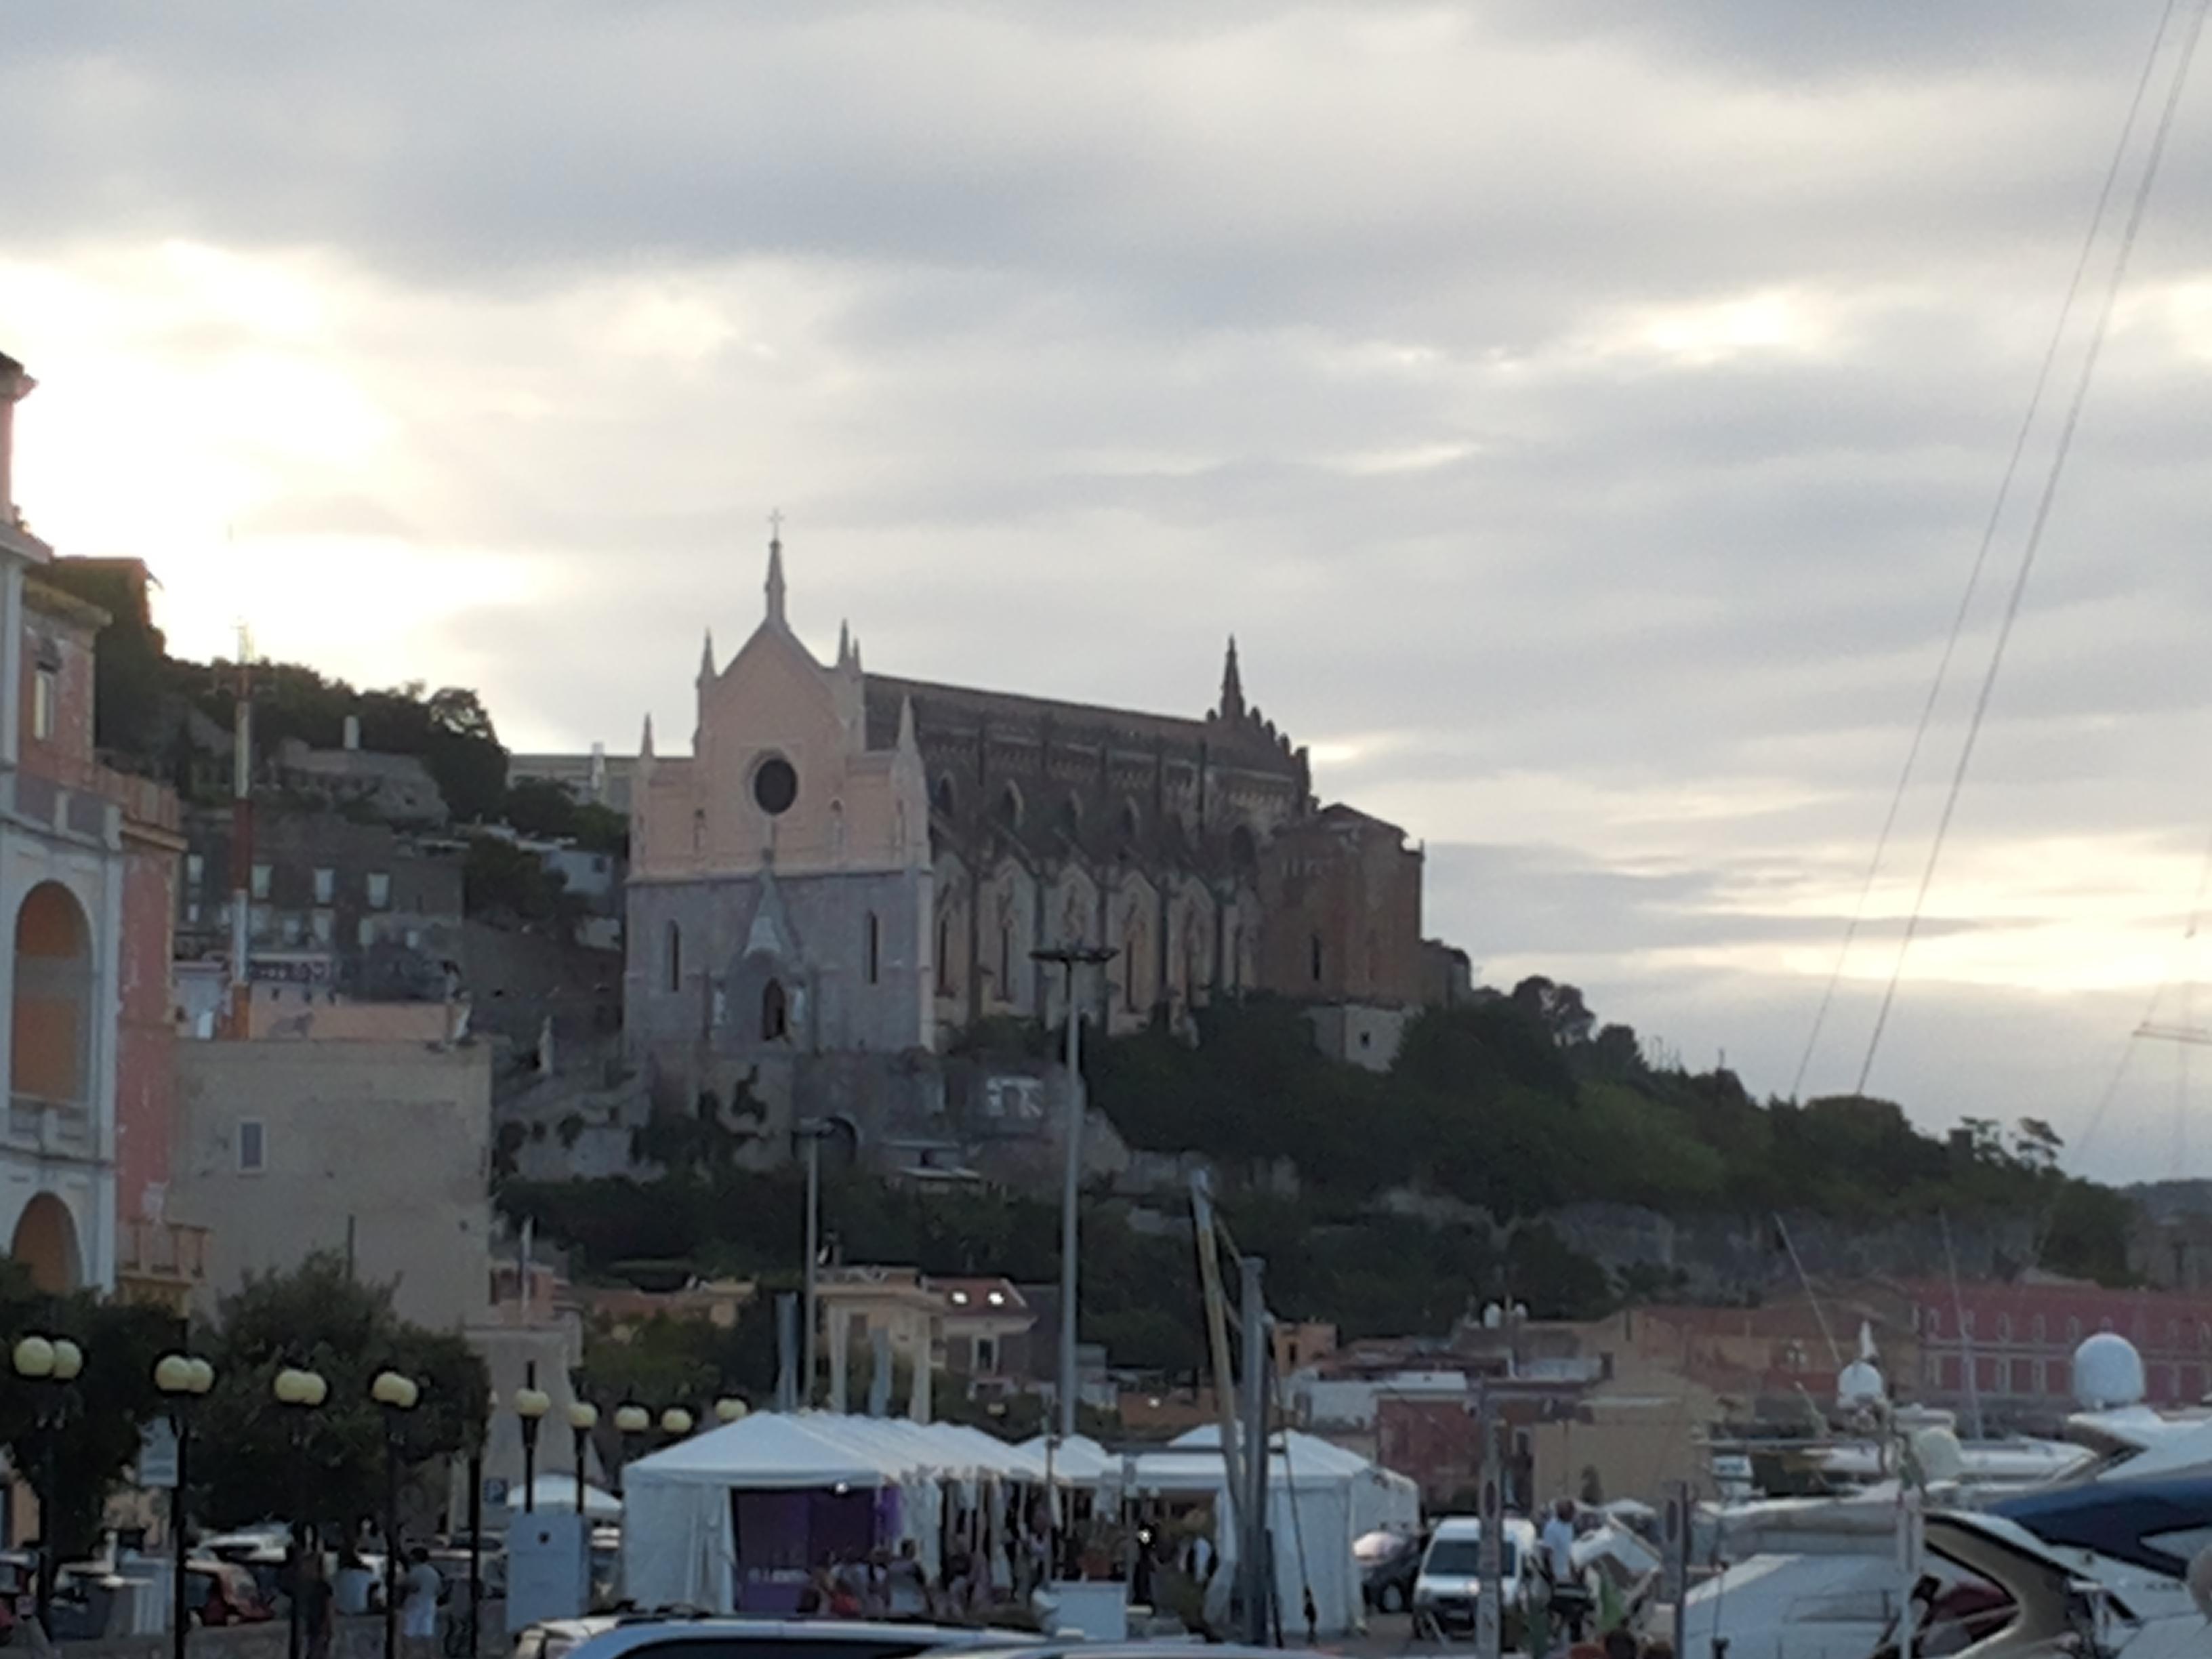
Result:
{"points": [[678, 1545], [1078, 1460], [1320, 1497], [557, 1493]]}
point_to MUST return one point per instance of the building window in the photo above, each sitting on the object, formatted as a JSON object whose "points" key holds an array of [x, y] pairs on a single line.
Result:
{"points": [[262, 874], [1316, 958], [325, 927], [195, 869], [326, 886], [294, 927], [675, 957], [2004, 1327], [192, 913], [945, 954], [775, 786], [775, 1012], [2040, 1330], [2073, 1330], [875, 949], [45, 688], [379, 890], [252, 1146], [1932, 1321], [1006, 961]]}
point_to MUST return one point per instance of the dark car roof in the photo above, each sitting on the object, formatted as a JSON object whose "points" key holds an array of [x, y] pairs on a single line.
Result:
{"points": [[636, 1633]]}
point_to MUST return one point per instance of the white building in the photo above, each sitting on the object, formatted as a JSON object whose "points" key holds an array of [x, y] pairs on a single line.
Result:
{"points": [[62, 868]]}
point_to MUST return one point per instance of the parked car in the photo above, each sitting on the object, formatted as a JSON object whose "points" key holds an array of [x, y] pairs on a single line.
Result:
{"points": [[777, 1638], [1449, 1588], [224, 1593], [1390, 1560]]}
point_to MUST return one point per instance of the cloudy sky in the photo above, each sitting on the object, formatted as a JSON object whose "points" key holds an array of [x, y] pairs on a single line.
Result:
{"points": [[1583, 411]]}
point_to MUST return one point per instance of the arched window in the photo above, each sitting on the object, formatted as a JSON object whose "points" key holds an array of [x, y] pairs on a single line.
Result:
{"points": [[1315, 946], [1069, 820], [944, 953], [675, 956], [1130, 821], [943, 798], [875, 949], [1006, 961], [775, 1012], [1010, 808], [1243, 850]]}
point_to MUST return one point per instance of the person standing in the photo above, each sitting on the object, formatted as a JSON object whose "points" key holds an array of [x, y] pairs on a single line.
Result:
{"points": [[317, 1619], [421, 1591]]}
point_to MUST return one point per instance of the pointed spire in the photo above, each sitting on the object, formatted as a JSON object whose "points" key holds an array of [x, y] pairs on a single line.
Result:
{"points": [[907, 745], [1232, 686], [775, 570], [706, 658], [856, 654], [844, 645], [645, 743]]}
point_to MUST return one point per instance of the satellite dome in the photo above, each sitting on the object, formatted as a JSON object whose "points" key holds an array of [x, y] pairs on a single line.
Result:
{"points": [[1942, 1459], [2108, 1373], [1860, 1385]]}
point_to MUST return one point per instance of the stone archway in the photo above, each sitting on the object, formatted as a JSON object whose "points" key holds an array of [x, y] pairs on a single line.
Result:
{"points": [[45, 1242], [50, 1061]]}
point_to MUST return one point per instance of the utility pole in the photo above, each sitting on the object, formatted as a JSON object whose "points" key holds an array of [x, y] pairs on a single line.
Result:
{"points": [[1071, 956], [1259, 1572], [812, 1133], [240, 1010]]}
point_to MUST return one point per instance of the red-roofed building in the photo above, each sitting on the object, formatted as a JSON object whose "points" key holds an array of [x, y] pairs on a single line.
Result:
{"points": [[2020, 1339]]}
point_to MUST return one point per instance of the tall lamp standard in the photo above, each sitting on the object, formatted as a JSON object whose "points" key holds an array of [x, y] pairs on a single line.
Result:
{"points": [[532, 1403], [631, 1421], [397, 1395], [53, 1363], [730, 1409], [476, 1524], [303, 1391], [181, 1379], [813, 1131], [1072, 957], [676, 1422], [583, 1418]]}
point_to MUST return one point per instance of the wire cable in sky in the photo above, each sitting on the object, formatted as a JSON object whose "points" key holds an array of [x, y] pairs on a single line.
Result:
{"points": [[2036, 528], [1982, 552]]}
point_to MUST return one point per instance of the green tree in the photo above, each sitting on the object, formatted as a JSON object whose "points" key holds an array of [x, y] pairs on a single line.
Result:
{"points": [[505, 882], [101, 1413], [319, 1317]]}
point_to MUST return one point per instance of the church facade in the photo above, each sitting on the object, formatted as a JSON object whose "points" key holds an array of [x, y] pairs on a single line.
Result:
{"points": [[850, 863]]}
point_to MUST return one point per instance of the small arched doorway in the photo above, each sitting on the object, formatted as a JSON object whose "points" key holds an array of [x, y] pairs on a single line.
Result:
{"points": [[775, 1012], [51, 1059], [45, 1242]]}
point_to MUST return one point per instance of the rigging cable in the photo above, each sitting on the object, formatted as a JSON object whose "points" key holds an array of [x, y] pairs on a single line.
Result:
{"points": [[1982, 552], [2037, 526]]}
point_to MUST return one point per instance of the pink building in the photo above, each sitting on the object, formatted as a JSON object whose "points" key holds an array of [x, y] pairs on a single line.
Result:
{"points": [[88, 860], [2020, 1339]]}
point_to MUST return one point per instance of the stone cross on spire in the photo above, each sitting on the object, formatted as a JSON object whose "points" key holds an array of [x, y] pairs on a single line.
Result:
{"points": [[776, 569]]}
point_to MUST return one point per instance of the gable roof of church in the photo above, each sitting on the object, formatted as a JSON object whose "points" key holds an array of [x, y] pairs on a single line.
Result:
{"points": [[943, 711]]}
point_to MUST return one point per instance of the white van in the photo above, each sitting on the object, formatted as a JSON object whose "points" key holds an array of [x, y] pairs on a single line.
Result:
{"points": [[1450, 1585]]}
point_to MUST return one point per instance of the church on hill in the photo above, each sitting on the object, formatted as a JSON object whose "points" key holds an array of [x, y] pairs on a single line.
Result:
{"points": [[851, 863]]}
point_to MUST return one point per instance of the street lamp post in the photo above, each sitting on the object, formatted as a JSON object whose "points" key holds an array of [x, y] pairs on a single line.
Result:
{"points": [[583, 1418], [631, 1421], [1072, 957], [676, 1422], [53, 1363], [730, 1409], [303, 1391], [530, 1405], [476, 1526], [397, 1395], [813, 1132], [181, 1379]]}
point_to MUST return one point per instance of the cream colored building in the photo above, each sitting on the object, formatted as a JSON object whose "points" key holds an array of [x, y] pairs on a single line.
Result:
{"points": [[378, 1149]]}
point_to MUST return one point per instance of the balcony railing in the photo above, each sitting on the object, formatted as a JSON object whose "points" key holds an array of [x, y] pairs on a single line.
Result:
{"points": [[52, 1129], [163, 1249]]}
